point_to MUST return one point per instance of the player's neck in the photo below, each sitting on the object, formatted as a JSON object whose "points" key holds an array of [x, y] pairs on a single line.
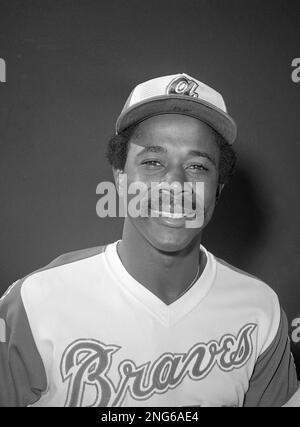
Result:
{"points": [[167, 275]]}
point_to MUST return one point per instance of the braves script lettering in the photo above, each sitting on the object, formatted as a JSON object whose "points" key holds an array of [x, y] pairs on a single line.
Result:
{"points": [[86, 365]]}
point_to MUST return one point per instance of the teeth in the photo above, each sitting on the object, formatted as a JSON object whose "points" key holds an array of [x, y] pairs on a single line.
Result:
{"points": [[173, 215], [191, 215]]}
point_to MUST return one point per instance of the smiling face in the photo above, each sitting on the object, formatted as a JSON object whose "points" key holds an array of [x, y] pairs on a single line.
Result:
{"points": [[173, 148]]}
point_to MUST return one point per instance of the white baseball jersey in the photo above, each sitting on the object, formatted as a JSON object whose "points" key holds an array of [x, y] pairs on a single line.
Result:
{"points": [[83, 332]]}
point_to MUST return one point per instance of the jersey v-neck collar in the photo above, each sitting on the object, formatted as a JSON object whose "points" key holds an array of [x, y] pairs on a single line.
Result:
{"points": [[167, 314]]}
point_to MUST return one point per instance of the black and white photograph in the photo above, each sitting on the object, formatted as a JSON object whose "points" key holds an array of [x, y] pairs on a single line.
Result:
{"points": [[150, 206]]}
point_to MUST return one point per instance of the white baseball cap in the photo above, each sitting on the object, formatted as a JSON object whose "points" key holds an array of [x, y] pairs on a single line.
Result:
{"points": [[177, 94]]}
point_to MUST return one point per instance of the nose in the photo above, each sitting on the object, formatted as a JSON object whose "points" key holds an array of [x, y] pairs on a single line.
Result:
{"points": [[176, 178], [180, 186]]}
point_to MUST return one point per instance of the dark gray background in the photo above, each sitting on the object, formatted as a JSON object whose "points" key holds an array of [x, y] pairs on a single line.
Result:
{"points": [[70, 67]]}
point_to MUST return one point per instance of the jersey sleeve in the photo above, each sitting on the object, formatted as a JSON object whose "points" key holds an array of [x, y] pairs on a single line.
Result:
{"points": [[22, 373], [274, 379]]}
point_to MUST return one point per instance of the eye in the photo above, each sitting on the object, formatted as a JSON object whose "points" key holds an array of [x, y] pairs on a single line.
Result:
{"points": [[197, 167], [151, 163]]}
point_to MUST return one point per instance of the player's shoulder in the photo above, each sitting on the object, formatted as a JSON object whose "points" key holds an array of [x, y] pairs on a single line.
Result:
{"points": [[251, 285], [74, 256], [65, 264]]}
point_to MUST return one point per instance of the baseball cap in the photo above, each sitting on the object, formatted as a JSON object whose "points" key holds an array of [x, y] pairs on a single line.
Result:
{"points": [[177, 94]]}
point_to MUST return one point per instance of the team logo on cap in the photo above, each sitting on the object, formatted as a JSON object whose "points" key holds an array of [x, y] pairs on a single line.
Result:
{"points": [[183, 85]]}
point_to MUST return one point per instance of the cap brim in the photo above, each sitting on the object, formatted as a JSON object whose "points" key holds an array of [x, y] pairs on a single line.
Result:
{"points": [[179, 104]]}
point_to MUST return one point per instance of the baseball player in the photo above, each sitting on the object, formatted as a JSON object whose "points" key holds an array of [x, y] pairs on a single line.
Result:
{"points": [[153, 319]]}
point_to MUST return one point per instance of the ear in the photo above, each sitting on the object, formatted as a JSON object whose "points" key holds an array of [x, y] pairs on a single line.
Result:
{"points": [[119, 181], [219, 191]]}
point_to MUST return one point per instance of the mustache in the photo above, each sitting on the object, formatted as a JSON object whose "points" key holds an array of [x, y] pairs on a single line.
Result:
{"points": [[165, 197], [170, 201], [184, 200]]}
